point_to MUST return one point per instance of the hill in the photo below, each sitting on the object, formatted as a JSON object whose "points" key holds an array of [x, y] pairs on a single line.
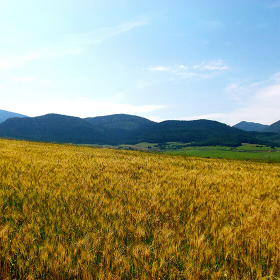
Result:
{"points": [[197, 131], [119, 121], [4, 115], [250, 126], [53, 128], [120, 127], [275, 127]]}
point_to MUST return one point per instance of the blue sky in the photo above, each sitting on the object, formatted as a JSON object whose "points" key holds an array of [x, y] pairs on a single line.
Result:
{"points": [[162, 60]]}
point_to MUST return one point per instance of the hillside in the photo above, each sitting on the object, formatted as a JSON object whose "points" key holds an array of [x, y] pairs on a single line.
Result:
{"points": [[185, 131], [4, 115], [53, 128], [119, 121], [250, 126], [275, 127], [121, 127]]}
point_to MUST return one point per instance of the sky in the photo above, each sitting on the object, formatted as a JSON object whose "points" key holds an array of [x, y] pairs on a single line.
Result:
{"points": [[159, 59]]}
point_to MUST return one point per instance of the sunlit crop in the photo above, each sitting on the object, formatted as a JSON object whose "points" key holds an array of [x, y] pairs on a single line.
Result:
{"points": [[71, 212]]}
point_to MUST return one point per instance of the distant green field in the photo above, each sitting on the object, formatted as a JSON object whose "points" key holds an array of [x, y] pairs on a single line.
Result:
{"points": [[244, 152], [146, 145], [162, 147]]}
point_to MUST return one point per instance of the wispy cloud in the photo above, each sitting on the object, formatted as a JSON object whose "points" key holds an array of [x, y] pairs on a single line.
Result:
{"points": [[161, 69], [218, 65], [98, 36], [203, 70], [70, 44], [173, 69]]}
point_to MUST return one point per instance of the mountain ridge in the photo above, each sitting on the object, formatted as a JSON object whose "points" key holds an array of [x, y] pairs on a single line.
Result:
{"points": [[52, 128], [121, 126], [129, 129], [250, 126]]}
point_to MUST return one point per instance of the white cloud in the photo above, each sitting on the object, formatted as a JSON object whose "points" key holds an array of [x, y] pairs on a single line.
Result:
{"points": [[202, 71], [258, 102], [180, 71], [161, 69], [173, 69], [212, 65]]}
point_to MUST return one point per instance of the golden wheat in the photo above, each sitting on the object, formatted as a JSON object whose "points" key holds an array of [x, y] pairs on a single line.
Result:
{"points": [[71, 212]]}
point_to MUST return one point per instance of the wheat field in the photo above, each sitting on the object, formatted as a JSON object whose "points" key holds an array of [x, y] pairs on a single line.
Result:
{"points": [[71, 212]]}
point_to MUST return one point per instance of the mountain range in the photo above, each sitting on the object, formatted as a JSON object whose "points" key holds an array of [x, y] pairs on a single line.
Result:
{"points": [[127, 129]]}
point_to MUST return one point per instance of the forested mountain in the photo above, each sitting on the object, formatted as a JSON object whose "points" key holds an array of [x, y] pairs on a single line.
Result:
{"points": [[184, 131], [119, 121], [127, 129], [121, 127], [250, 126], [53, 128], [4, 115]]}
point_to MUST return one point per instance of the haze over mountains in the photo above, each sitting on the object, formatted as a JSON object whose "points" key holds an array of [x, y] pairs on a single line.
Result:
{"points": [[275, 127], [127, 129], [250, 126], [4, 115]]}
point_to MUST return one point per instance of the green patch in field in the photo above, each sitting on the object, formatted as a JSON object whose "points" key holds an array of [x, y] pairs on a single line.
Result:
{"points": [[166, 146], [244, 152], [146, 145]]}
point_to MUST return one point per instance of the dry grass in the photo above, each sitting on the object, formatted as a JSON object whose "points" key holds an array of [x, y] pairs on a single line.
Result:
{"points": [[86, 213]]}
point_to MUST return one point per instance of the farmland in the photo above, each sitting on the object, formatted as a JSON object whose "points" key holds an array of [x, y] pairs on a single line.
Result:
{"points": [[244, 152], [252, 152], [72, 212]]}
